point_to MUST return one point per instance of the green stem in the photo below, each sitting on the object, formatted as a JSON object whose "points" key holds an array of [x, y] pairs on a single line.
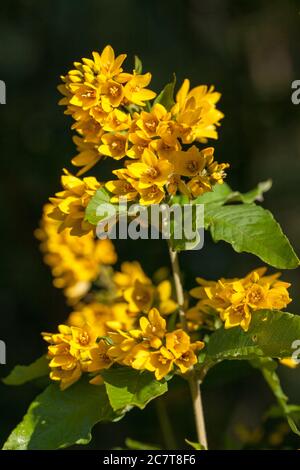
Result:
{"points": [[192, 379]]}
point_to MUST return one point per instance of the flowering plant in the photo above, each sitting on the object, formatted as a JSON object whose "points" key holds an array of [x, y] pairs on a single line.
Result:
{"points": [[128, 335]]}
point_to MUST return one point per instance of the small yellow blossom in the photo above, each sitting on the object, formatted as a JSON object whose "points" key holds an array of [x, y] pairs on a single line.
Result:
{"points": [[166, 304], [123, 187], [75, 261], [87, 157], [69, 205], [139, 297], [236, 300], [150, 170], [114, 145], [135, 90], [160, 362]]}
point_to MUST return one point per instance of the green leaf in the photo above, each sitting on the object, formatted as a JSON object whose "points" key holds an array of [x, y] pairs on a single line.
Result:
{"points": [[252, 229], [222, 194], [138, 66], [166, 96], [291, 412], [128, 387], [101, 197], [22, 374], [255, 194], [58, 419], [271, 334], [195, 445], [194, 219], [136, 445]]}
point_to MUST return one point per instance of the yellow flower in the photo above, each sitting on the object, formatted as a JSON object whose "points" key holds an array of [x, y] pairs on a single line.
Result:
{"points": [[135, 90], [75, 261], [87, 157], [70, 204], [117, 121], [178, 342], [150, 170], [191, 162], [160, 362], [236, 300], [163, 149], [82, 339], [166, 304], [153, 328], [151, 195], [97, 358], [114, 145], [112, 95], [188, 358], [123, 344], [139, 297], [148, 122], [64, 365], [107, 63], [131, 271], [122, 187], [138, 147], [196, 114]]}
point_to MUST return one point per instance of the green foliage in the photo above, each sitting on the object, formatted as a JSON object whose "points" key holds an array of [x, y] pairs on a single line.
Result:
{"points": [[222, 194], [128, 387], [22, 374], [136, 445], [57, 419], [252, 229], [195, 445], [138, 66], [271, 334], [291, 412], [166, 96], [101, 197]]}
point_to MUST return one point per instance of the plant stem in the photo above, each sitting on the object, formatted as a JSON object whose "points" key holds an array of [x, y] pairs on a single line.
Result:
{"points": [[192, 379]]}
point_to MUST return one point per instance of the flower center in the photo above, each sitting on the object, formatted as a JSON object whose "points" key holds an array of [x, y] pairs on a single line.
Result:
{"points": [[114, 90], [192, 166], [152, 172], [84, 338], [151, 125]]}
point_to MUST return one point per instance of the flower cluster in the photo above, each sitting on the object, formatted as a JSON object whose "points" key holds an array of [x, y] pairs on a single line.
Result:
{"points": [[75, 350], [236, 300], [115, 119], [70, 204], [75, 261]]}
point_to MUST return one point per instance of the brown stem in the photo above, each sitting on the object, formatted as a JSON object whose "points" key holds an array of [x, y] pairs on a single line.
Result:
{"points": [[192, 379]]}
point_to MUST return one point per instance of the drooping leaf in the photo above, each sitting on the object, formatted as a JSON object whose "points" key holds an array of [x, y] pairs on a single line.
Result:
{"points": [[22, 374], [291, 412], [195, 445], [252, 229], [166, 96], [58, 419], [253, 195], [138, 66], [132, 444], [222, 194], [271, 334], [128, 387]]}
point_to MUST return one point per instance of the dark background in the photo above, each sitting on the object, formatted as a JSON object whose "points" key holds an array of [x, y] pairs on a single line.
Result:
{"points": [[250, 51]]}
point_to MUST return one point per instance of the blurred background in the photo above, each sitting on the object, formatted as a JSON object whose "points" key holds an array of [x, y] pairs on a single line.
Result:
{"points": [[250, 51]]}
